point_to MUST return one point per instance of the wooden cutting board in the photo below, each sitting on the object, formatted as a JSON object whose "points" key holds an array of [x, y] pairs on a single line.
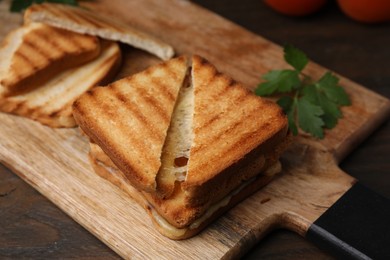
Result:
{"points": [[54, 161]]}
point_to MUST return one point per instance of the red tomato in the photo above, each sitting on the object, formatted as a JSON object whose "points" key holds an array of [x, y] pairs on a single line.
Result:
{"points": [[367, 11], [295, 7]]}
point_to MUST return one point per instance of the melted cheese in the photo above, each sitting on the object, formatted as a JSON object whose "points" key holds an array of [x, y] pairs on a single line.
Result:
{"points": [[178, 232], [173, 231], [168, 228]]}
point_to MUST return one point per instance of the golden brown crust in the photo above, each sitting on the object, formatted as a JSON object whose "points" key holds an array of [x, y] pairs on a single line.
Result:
{"points": [[173, 210], [51, 103], [84, 21], [45, 51], [251, 165], [231, 125], [129, 118]]}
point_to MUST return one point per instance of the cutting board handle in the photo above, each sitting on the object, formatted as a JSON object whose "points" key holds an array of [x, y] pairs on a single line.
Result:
{"points": [[357, 226]]}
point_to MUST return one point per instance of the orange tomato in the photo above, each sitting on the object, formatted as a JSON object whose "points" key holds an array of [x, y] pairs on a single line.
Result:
{"points": [[296, 7], [367, 11]]}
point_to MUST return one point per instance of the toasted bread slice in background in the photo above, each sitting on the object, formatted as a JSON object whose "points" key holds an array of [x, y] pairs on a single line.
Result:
{"points": [[83, 21], [36, 52], [129, 118], [51, 103], [172, 217]]}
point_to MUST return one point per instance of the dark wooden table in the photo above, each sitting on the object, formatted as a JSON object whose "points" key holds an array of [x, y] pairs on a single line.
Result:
{"points": [[32, 227]]}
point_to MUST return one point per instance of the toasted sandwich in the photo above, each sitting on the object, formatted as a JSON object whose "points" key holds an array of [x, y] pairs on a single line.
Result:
{"points": [[221, 143], [84, 21], [36, 52], [50, 103]]}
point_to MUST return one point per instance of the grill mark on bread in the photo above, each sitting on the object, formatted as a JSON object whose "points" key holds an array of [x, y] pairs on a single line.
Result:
{"points": [[156, 104], [108, 112], [79, 18], [207, 127], [133, 109], [98, 23], [215, 136], [56, 11], [243, 139], [91, 97], [26, 60], [165, 92], [73, 16], [37, 49], [92, 22], [225, 92]]}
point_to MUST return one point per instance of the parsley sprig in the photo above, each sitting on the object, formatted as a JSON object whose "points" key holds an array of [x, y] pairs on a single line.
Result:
{"points": [[19, 5], [309, 105]]}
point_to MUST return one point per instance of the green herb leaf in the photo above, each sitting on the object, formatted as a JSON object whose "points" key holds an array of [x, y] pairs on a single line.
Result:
{"points": [[309, 118], [308, 104], [329, 84], [331, 112], [20, 5], [288, 105], [278, 81], [295, 57], [315, 95]]}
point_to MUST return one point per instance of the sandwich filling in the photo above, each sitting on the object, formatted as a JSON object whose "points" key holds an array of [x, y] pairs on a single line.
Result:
{"points": [[173, 231], [176, 150]]}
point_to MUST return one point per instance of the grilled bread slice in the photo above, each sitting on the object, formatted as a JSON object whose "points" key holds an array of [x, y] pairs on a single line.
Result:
{"points": [[129, 119], [172, 217], [84, 21], [36, 52], [231, 126], [51, 103]]}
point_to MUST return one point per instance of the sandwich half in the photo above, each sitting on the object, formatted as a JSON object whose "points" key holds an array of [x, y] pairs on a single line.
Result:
{"points": [[220, 145], [33, 53], [44, 69]]}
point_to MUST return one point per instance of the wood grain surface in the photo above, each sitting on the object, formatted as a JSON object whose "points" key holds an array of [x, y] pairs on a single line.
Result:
{"points": [[54, 161]]}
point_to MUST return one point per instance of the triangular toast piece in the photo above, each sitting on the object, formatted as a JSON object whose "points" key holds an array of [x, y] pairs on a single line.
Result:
{"points": [[36, 52], [84, 21], [51, 103], [129, 119], [231, 126]]}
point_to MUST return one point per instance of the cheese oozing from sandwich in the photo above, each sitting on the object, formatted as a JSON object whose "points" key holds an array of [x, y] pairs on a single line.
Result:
{"points": [[173, 231]]}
